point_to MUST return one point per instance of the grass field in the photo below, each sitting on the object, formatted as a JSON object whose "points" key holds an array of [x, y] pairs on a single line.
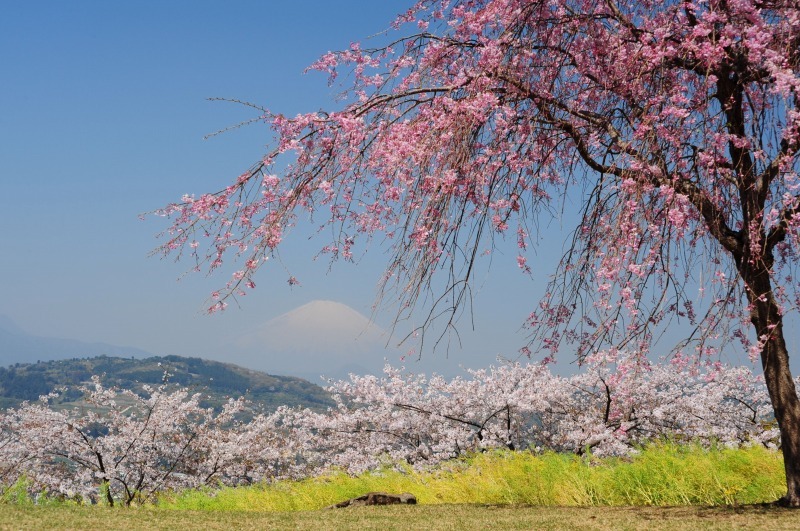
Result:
{"points": [[667, 486], [662, 475], [406, 517]]}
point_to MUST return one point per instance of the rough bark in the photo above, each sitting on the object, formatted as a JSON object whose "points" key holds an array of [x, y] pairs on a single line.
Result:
{"points": [[768, 322]]}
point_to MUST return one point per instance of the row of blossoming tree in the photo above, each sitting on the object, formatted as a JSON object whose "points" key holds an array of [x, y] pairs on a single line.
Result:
{"points": [[124, 447]]}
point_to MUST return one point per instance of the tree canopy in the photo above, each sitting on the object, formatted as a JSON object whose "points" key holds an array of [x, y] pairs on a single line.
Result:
{"points": [[676, 125]]}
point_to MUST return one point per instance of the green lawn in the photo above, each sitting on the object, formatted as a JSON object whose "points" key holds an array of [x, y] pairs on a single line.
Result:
{"points": [[406, 517]]}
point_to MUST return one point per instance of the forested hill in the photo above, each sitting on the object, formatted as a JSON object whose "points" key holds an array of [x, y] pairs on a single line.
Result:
{"points": [[219, 381]]}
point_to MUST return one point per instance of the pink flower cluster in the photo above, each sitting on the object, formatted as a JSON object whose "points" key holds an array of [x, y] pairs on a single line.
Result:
{"points": [[482, 115]]}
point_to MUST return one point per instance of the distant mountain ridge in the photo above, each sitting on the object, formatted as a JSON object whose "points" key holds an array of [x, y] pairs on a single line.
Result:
{"points": [[18, 346], [213, 379]]}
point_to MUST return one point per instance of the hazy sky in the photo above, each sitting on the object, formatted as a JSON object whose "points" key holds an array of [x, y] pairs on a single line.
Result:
{"points": [[102, 115]]}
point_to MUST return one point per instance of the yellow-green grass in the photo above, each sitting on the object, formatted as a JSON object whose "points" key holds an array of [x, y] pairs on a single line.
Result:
{"points": [[405, 517], [661, 475]]}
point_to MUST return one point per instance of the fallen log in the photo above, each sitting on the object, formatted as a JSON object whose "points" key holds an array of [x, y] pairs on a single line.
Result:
{"points": [[376, 498]]}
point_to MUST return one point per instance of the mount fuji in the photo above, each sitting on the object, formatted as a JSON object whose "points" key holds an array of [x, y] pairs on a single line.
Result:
{"points": [[320, 338]]}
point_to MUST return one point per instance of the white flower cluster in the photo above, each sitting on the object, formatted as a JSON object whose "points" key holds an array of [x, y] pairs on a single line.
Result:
{"points": [[127, 448], [619, 403]]}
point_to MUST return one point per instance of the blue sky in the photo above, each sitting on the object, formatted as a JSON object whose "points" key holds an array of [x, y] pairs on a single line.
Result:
{"points": [[103, 109]]}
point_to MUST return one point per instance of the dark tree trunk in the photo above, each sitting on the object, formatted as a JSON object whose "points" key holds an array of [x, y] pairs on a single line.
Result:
{"points": [[768, 322], [782, 393]]}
